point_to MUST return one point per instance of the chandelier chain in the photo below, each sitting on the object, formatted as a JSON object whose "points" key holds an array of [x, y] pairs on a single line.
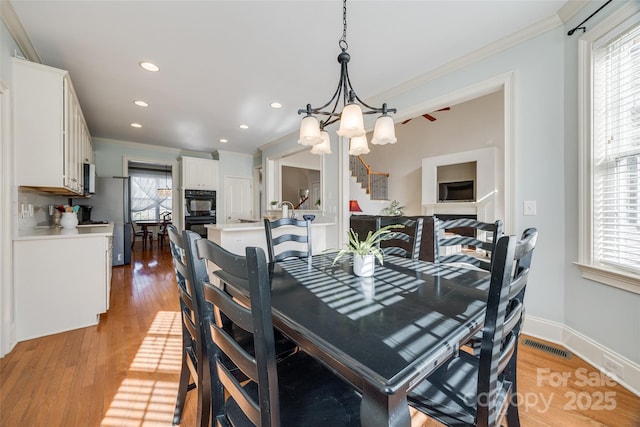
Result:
{"points": [[343, 40]]}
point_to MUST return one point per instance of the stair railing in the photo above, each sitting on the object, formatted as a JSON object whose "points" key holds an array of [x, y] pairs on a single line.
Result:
{"points": [[376, 184]]}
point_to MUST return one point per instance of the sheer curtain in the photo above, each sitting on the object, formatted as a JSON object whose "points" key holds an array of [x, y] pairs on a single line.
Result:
{"points": [[145, 201]]}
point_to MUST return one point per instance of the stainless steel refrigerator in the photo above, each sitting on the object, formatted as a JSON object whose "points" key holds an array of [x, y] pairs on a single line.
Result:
{"points": [[111, 202]]}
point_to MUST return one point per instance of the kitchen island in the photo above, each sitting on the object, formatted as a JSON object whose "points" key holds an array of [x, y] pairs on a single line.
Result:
{"points": [[62, 278], [235, 237]]}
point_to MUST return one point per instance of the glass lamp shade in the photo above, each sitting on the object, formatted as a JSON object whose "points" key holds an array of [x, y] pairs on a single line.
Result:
{"points": [[309, 131], [358, 145], [325, 146], [384, 131], [164, 192], [351, 121]]}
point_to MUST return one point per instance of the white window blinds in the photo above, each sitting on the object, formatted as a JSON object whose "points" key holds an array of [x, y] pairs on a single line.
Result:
{"points": [[616, 152]]}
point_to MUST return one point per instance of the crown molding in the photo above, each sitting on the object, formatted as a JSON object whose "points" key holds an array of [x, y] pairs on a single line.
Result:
{"points": [[13, 24], [140, 146], [571, 9]]}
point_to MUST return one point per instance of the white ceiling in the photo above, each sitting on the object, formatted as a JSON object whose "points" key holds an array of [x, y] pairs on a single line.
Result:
{"points": [[223, 62]]}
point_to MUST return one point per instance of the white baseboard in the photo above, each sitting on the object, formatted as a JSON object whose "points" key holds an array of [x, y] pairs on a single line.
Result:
{"points": [[585, 348]]}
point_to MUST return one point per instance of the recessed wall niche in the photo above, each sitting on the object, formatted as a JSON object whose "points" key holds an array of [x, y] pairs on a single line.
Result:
{"points": [[458, 172]]}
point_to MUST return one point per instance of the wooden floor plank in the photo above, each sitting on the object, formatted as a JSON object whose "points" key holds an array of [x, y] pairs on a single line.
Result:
{"points": [[124, 371]]}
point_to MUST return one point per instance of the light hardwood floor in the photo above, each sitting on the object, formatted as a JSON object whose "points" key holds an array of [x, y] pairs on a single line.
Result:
{"points": [[124, 371]]}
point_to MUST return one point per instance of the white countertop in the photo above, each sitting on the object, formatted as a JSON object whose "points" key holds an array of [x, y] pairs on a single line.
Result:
{"points": [[64, 233], [247, 226]]}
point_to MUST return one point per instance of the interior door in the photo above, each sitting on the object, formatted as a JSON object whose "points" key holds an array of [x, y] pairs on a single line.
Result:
{"points": [[237, 198]]}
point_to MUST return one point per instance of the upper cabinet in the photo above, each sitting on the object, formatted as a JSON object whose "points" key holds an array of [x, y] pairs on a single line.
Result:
{"points": [[52, 140], [199, 174]]}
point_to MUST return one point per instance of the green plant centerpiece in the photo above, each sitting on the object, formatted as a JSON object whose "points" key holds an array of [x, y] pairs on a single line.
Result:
{"points": [[364, 251], [394, 209]]}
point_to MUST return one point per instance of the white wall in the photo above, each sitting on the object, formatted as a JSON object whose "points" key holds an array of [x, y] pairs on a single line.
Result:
{"points": [[471, 125]]}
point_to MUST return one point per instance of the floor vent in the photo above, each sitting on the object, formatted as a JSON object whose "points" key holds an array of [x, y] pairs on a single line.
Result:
{"points": [[556, 351]]}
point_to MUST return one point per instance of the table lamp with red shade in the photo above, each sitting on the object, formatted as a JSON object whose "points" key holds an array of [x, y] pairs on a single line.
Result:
{"points": [[354, 206]]}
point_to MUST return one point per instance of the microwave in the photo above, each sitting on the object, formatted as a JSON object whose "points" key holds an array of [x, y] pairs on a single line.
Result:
{"points": [[89, 178]]}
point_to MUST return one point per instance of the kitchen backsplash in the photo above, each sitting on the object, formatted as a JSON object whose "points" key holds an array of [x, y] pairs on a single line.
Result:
{"points": [[40, 203]]}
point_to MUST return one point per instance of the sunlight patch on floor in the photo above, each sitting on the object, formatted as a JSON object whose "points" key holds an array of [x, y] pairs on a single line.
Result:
{"points": [[147, 400]]}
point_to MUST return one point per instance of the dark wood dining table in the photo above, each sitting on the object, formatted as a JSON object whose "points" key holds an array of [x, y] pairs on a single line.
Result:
{"points": [[384, 333], [146, 223]]}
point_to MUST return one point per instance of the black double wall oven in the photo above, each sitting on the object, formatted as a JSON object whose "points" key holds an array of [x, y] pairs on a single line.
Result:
{"points": [[200, 209]]}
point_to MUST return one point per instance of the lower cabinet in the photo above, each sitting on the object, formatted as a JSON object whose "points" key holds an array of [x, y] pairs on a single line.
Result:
{"points": [[60, 284]]}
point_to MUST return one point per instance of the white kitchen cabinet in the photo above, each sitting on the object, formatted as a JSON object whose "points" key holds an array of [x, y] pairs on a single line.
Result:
{"points": [[199, 174], [51, 135], [60, 283]]}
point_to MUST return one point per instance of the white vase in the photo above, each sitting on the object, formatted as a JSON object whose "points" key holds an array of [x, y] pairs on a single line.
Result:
{"points": [[69, 220], [363, 265]]}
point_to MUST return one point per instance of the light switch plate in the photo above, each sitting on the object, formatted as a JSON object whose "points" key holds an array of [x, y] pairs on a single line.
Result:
{"points": [[530, 207]]}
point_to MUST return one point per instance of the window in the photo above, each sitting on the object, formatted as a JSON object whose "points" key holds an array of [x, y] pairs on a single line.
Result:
{"points": [[146, 202], [610, 252]]}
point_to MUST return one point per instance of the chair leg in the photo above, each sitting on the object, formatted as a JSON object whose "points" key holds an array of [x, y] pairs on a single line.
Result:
{"points": [[183, 388]]}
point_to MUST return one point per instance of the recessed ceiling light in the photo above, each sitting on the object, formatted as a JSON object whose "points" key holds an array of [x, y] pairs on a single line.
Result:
{"points": [[149, 66], [136, 125], [276, 105], [140, 103], [244, 127], [224, 141]]}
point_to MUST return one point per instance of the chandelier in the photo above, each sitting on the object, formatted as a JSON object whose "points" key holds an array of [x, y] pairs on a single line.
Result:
{"points": [[351, 119], [165, 191]]}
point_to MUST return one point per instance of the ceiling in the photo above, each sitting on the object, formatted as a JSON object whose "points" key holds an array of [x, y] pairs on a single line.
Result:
{"points": [[223, 62]]}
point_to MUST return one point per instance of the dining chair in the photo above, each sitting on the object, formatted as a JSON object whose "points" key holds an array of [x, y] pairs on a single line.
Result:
{"points": [[466, 241], [137, 232], [296, 392], [299, 237], [162, 232], [194, 371], [404, 242], [475, 342], [480, 390]]}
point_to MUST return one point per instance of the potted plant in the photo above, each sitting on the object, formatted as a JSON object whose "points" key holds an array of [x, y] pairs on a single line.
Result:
{"points": [[394, 209], [365, 251]]}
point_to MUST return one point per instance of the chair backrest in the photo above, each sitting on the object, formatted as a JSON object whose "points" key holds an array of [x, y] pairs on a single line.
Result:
{"points": [[166, 220], [300, 239], [502, 324], [136, 231], [476, 249], [192, 310], [404, 242], [259, 368]]}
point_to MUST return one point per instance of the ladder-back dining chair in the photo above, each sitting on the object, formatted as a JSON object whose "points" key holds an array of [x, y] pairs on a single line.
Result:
{"points": [[405, 241], [137, 232], [194, 372], [466, 241], [298, 391], [294, 242], [480, 390], [162, 232]]}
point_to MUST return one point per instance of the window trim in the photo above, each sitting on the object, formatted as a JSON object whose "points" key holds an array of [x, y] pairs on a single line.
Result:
{"points": [[625, 16]]}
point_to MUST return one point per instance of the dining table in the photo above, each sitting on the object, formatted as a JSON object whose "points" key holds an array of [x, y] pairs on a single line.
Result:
{"points": [[146, 223], [383, 334]]}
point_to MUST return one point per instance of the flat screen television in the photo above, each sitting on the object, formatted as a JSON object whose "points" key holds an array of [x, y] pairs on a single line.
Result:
{"points": [[459, 191]]}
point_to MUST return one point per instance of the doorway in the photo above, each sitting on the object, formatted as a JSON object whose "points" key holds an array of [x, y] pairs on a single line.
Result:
{"points": [[238, 199]]}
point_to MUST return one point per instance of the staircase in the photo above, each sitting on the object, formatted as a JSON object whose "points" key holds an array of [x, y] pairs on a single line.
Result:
{"points": [[376, 184]]}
